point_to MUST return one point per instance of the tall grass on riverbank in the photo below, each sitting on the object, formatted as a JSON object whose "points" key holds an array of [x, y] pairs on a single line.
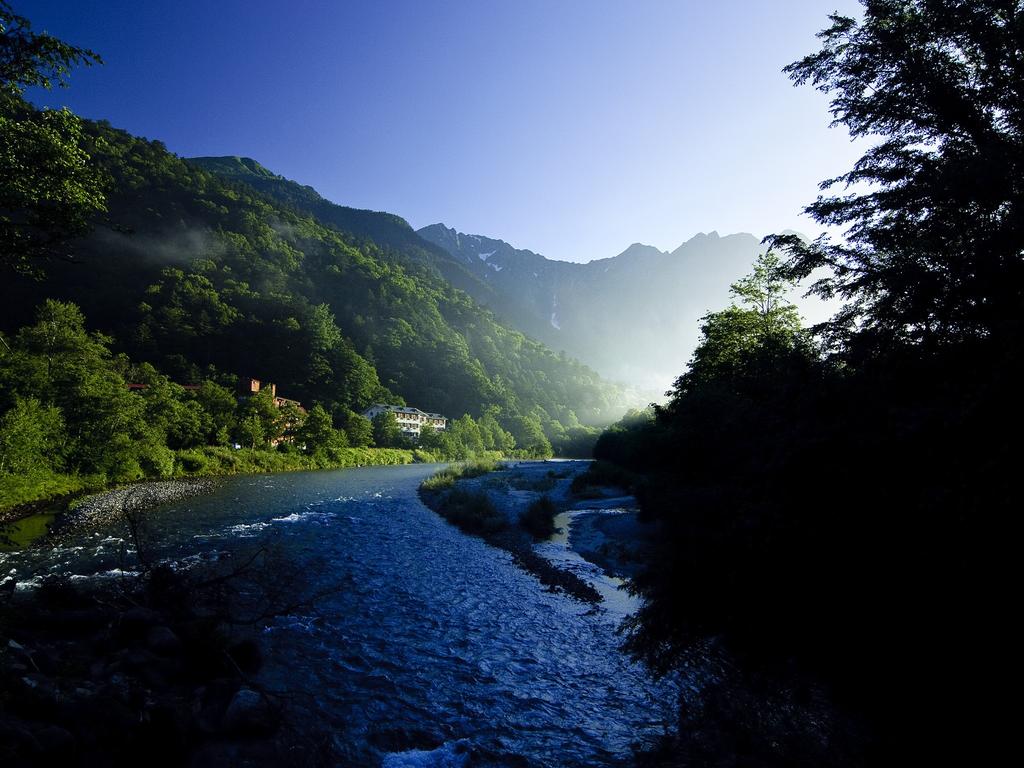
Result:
{"points": [[446, 478], [20, 492], [219, 460], [473, 512]]}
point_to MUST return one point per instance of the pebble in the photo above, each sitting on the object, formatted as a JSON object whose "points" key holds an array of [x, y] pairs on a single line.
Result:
{"points": [[135, 498]]}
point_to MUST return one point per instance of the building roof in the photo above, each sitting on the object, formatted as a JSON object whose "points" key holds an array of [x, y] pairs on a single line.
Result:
{"points": [[404, 409]]}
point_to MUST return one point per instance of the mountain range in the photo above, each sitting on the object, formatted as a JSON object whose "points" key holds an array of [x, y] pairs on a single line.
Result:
{"points": [[633, 317]]}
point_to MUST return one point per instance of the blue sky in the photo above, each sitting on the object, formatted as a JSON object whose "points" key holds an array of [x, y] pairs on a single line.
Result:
{"points": [[570, 128]]}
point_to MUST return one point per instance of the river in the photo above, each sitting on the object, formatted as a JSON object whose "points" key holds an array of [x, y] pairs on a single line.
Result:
{"points": [[437, 642]]}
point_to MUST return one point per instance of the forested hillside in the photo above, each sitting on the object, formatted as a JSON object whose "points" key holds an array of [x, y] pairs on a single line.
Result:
{"points": [[386, 231], [632, 317], [204, 276]]}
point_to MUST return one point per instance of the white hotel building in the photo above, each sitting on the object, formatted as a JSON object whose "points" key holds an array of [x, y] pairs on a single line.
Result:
{"points": [[410, 420]]}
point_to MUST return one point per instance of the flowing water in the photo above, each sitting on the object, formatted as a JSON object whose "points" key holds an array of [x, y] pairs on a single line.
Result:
{"points": [[437, 651]]}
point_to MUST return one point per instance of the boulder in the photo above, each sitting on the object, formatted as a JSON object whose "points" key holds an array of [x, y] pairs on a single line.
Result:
{"points": [[17, 742], [250, 714], [162, 640]]}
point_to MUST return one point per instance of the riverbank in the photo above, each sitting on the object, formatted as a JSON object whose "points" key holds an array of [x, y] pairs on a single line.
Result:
{"points": [[538, 509], [111, 504], [613, 538], [25, 495]]}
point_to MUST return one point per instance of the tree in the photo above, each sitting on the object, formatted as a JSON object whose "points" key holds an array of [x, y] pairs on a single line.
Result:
{"points": [[792, 504], [358, 429], [29, 59], [292, 419], [529, 436], [466, 432], [51, 191], [70, 406], [59, 363], [495, 438], [318, 434], [386, 432], [249, 432], [179, 419], [259, 421], [934, 210], [30, 437], [743, 340], [764, 293], [219, 407]]}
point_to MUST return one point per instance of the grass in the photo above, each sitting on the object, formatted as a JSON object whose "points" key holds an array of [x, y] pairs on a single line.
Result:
{"points": [[221, 460], [539, 484], [474, 513], [21, 533], [445, 479], [22, 490], [471, 511]]}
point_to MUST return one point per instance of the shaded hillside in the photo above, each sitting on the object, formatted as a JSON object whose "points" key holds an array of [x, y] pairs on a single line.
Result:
{"points": [[197, 273], [634, 317], [386, 231]]}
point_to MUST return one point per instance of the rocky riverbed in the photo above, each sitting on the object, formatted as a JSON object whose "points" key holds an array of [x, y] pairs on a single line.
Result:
{"points": [[138, 497], [152, 667], [598, 540], [22, 527], [146, 671]]}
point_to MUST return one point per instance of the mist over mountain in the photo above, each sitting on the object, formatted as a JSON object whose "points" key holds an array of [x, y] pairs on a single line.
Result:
{"points": [[634, 317]]}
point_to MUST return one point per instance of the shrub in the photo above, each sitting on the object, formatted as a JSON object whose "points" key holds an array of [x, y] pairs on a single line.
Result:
{"points": [[478, 467], [157, 461], [440, 481], [539, 484], [603, 473], [472, 512], [539, 519], [192, 462]]}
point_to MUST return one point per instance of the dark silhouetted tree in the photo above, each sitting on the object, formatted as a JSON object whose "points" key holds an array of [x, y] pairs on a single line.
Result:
{"points": [[934, 210], [50, 189]]}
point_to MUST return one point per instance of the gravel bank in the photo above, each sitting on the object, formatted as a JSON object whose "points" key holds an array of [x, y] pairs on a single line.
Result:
{"points": [[135, 498]]}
